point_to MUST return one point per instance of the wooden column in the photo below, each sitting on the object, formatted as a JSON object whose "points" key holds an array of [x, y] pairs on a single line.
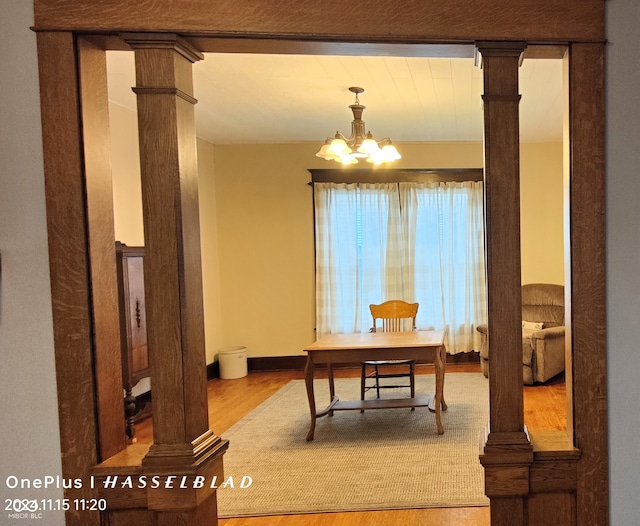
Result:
{"points": [[507, 453], [183, 442]]}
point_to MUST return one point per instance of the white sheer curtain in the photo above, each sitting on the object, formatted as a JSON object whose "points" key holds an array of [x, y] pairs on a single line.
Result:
{"points": [[414, 241], [358, 253], [336, 257], [445, 257]]}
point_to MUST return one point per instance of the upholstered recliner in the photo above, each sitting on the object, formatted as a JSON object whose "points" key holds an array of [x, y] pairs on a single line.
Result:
{"points": [[543, 354]]}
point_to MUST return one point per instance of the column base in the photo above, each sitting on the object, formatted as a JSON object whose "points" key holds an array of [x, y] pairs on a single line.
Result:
{"points": [[507, 458], [188, 473]]}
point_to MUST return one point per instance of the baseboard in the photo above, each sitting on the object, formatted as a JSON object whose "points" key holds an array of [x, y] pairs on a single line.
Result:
{"points": [[213, 370], [297, 363], [276, 363], [464, 357]]}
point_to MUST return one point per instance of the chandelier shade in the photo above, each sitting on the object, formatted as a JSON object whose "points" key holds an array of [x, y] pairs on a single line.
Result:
{"points": [[360, 144]]}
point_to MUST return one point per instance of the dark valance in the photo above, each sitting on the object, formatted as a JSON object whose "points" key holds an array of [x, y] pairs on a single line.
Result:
{"points": [[394, 175]]}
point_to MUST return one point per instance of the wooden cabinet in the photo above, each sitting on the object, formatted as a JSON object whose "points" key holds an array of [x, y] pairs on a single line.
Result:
{"points": [[133, 328]]}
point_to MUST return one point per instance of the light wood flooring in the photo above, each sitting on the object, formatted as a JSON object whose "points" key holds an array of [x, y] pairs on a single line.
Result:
{"points": [[230, 400]]}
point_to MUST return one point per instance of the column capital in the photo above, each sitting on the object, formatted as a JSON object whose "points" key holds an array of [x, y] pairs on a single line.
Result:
{"points": [[489, 48], [162, 41]]}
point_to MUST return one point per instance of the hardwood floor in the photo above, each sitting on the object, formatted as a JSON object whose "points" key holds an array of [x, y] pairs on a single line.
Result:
{"points": [[427, 517], [545, 406], [230, 400]]}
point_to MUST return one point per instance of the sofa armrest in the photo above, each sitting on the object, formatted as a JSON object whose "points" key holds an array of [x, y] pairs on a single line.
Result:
{"points": [[551, 332], [482, 329], [549, 350]]}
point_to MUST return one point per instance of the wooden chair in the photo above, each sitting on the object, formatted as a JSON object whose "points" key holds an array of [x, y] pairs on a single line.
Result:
{"points": [[396, 316]]}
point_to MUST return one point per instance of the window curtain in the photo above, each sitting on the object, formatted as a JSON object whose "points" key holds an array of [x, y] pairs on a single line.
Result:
{"points": [[421, 242], [445, 268], [359, 254]]}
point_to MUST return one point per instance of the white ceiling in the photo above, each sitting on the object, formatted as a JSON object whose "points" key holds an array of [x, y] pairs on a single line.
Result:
{"points": [[253, 98]]}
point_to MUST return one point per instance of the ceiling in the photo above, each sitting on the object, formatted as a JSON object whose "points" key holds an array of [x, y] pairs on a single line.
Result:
{"points": [[258, 98]]}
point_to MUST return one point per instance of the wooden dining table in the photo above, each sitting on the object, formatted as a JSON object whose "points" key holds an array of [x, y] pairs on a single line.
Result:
{"points": [[332, 349]]}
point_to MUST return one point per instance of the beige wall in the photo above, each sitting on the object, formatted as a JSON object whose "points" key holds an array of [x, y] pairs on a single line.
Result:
{"points": [[541, 213], [125, 174], [256, 215], [209, 247]]}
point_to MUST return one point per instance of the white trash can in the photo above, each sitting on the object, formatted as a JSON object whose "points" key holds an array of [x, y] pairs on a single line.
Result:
{"points": [[233, 362]]}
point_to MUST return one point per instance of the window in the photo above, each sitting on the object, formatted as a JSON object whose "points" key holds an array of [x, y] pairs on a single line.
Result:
{"points": [[417, 241]]}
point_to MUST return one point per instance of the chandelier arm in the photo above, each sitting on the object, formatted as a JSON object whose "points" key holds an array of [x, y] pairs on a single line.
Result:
{"points": [[352, 138]]}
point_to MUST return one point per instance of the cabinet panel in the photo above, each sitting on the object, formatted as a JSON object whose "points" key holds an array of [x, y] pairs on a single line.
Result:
{"points": [[133, 328], [136, 322]]}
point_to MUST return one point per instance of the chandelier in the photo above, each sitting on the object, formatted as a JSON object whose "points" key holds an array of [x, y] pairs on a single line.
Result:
{"points": [[360, 145]]}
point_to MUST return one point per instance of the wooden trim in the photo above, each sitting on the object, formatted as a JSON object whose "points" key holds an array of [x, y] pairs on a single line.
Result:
{"points": [[410, 21], [213, 370], [165, 91], [552, 508], [104, 286], [553, 479], [69, 264], [555, 462], [587, 236], [394, 175], [276, 363], [273, 46], [165, 41], [462, 358]]}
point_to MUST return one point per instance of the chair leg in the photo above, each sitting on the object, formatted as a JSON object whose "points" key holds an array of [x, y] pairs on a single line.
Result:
{"points": [[363, 377], [377, 381], [412, 381]]}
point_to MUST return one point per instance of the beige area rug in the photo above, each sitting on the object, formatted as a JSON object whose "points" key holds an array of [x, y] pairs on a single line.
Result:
{"points": [[380, 459]]}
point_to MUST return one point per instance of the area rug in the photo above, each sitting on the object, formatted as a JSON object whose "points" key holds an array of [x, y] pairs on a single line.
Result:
{"points": [[376, 460]]}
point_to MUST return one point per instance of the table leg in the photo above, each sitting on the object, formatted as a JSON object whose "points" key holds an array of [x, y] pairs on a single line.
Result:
{"points": [[332, 387], [443, 351], [439, 400], [308, 379]]}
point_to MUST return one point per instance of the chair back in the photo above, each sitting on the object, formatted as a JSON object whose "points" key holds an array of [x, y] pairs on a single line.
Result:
{"points": [[396, 316]]}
